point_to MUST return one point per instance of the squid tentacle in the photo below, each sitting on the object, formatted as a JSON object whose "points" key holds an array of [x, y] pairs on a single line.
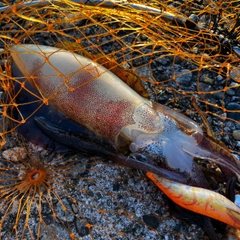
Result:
{"points": [[77, 142], [201, 146]]}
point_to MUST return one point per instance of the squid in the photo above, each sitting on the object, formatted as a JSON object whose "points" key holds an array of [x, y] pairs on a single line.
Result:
{"points": [[83, 106]]}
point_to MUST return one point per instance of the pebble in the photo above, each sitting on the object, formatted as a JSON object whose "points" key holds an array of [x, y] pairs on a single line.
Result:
{"points": [[233, 115], [151, 221], [218, 95], [207, 80], [230, 92], [219, 77], [203, 87], [236, 134], [15, 154], [184, 77], [236, 49], [163, 98], [235, 74]]}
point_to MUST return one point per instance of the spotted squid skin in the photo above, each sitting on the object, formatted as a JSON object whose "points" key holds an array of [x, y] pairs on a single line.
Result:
{"points": [[101, 95], [201, 201]]}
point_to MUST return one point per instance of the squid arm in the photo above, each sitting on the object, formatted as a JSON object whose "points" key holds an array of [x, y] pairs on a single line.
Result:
{"points": [[205, 202], [76, 142], [204, 147]]}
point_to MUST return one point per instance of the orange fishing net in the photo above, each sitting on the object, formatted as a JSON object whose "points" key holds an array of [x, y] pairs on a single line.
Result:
{"points": [[184, 54]]}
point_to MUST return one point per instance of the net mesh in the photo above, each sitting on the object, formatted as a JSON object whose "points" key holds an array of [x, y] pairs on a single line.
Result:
{"points": [[194, 68]]}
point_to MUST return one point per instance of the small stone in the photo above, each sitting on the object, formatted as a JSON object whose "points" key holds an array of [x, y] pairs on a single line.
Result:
{"points": [[163, 98], [235, 74], [233, 84], [16, 154], [236, 134], [151, 221], [184, 77], [218, 95], [230, 92], [219, 77], [203, 87], [82, 229], [207, 80], [236, 49], [233, 115], [235, 98], [74, 208], [116, 186]]}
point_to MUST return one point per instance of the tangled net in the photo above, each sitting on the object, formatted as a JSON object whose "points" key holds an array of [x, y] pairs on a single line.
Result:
{"points": [[187, 56]]}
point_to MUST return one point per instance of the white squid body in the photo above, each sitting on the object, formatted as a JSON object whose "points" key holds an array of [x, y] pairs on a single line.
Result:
{"points": [[86, 92], [96, 98], [92, 96]]}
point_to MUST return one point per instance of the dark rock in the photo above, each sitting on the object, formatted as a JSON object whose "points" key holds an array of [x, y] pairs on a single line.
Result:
{"points": [[207, 80], [151, 221], [81, 229], [116, 186], [236, 134], [230, 92], [184, 77], [218, 95], [203, 87], [233, 115]]}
